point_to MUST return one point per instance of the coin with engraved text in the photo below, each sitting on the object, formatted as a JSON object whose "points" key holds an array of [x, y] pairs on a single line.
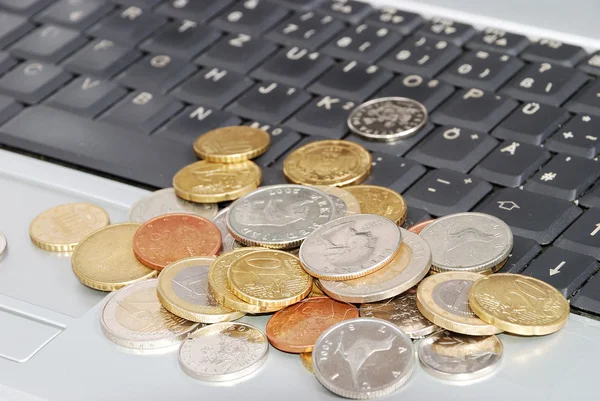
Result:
{"points": [[165, 201], [228, 242]]}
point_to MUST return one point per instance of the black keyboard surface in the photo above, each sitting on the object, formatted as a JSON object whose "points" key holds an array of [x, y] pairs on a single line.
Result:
{"points": [[123, 87]]}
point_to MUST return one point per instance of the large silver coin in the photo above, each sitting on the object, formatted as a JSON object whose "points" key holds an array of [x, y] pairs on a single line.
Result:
{"points": [[453, 356], [223, 351], [229, 243], [388, 119], [363, 358], [350, 247], [409, 266], [279, 216], [165, 201], [470, 242], [403, 312], [2, 244], [345, 203]]}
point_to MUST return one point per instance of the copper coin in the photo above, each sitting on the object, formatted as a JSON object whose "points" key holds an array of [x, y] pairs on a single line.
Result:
{"points": [[168, 238], [417, 228], [297, 327]]}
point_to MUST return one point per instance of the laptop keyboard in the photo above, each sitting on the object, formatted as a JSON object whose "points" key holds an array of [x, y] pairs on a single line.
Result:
{"points": [[123, 88]]}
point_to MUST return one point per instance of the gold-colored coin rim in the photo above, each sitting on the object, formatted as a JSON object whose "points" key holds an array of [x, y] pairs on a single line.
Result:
{"points": [[399, 217], [262, 137], [352, 204], [306, 359]]}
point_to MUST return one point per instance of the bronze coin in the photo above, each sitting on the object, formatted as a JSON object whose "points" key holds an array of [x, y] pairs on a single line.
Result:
{"points": [[417, 228]]}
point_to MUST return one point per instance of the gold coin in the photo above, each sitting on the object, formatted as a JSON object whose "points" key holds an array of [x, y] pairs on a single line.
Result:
{"points": [[519, 304], [316, 291], [269, 278], [329, 162], [379, 200], [183, 291], [351, 203], [306, 358], [232, 144], [444, 300], [104, 260], [206, 182], [61, 228]]}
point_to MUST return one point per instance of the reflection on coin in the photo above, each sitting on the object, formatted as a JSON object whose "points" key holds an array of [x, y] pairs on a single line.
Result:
{"points": [[453, 356], [2, 244], [388, 119], [417, 228], [468, 242], [206, 182], [328, 162], [165, 201], [279, 216], [341, 353], [104, 260], [61, 228], [350, 247], [519, 304], [316, 291], [306, 359], [403, 312], [382, 201], [183, 290], [228, 242], [232, 144], [223, 351], [134, 318], [444, 300], [350, 203], [410, 265]]}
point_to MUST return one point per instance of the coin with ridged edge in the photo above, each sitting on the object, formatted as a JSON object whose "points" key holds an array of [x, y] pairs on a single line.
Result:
{"points": [[382, 201], [232, 144], [349, 204], [306, 359], [165, 201], [228, 242]]}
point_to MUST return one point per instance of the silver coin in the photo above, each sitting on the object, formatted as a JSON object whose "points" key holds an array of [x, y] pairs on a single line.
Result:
{"points": [[403, 312], [409, 266], [388, 119], [229, 243], [472, 242], [344, 200], [279, 216], [453, 356], [223, 351], [134, 318], [363, 358], [165, 201], [3, 244], [350, 247]]}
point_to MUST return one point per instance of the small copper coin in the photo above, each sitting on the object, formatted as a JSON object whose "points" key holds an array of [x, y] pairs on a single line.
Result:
{"points": [[297, 327], [417, 228], [169, 238]]}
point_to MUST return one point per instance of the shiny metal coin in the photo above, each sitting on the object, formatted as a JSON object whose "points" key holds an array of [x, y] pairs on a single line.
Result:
{"points": [[223, 351], [363, 358], [228, 242], [165, 201], [388, 119], [468, 242], [453, 356], [345, 203], [3, 244], [279, 216]]}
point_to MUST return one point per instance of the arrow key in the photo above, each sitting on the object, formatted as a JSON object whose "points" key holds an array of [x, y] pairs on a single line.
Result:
{"points": [[584, 235]]}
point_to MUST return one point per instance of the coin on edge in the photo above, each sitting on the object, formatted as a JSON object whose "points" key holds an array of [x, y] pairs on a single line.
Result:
{"points": [[297, 327], [168, 238], [519, 304], [183, 291], [3, 244], [61, 228], [417, 228], [382, 201], [306, 359], [409, 266], [452, 356], [134, 318], [232, 144], [279, 216], [350, 247], [206, 182], [329, 162], [388, 119], [468, 242], [228, 243], [443, 299], [340, 354], [104, 260], [165, 201], [223, 351], [345, 203]]}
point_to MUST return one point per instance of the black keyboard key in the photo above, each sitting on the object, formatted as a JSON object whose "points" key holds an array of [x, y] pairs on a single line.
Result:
{"points": [[101, 58], [587, 100], [532, 123], [27, 7], [6, 62], [545, 83], [325, 116], [348, 10], [443, 192], [353, 81], [496, 40], [588, 299], [402, 22], [157, 73], [530, 215], [584, 235], [524, 250], [421, 55], [213, 87], [87, 96], [182, 39], [474, 109], [591, 197], [128, 26], [301, 5], [143, 4], [272, 176], [451, 31], [414, 216], [429, 92], [198, 11], [32, 81], [269, 102], [578, 137], [75, 14], [282, 140], [142, 112], [393, 172], [511, 163], [8, 108], [48, 43], [591, 64], [252, 17], [453, 148], [366, 43], [294, 67], [398, 148], [12, 27], [238, 53], [554, 52], [309, 30]]}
